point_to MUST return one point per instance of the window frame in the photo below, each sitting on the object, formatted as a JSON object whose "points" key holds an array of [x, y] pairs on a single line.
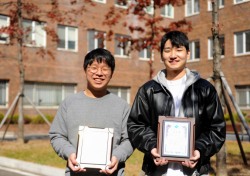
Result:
{"points": [[35, 90], [122, 52], [66, 30], [193, 7], [243, 43], [33, 34], [119, 90], [192, 49], [243, 1], [5, 35], [246, 90], [220, 4], [96, 40], [145, 53], [210, 43], [6, 83], [100, 1], [123, 6], [150, 9], [166, 8]]}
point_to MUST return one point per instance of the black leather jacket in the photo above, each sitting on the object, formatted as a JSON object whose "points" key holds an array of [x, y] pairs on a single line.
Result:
{"points": [[153, 100]]}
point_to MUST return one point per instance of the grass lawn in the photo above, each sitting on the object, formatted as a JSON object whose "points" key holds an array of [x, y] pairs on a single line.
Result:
{"points": [[40, 151]]}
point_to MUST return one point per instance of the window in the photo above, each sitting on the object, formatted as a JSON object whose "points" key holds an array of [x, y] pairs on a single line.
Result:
{"points": [[3, 93], [167, 11], [102, 1], [150, 9], [219, 2], [42, 94], [210, 47], [192, 7], [67, 38], [194, 48], [4, 22], [95, 40], [35, 34], [145, 54], [122, 45], [240, 1], [122, 92], [243, 96], [242, 42], [122, 3]]}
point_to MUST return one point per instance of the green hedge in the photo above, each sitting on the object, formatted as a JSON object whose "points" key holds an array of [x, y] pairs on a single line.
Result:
{"points": [[27, 119], [236, 117]]}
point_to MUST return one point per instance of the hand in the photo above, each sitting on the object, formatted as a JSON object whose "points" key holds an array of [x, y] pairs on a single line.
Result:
{"points": [[73, 165], [193, 160], [112, 167], [157, 158]]}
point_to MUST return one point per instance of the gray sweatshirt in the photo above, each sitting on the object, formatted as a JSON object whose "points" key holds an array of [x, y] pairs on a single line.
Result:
{"points": [[77, 110]]}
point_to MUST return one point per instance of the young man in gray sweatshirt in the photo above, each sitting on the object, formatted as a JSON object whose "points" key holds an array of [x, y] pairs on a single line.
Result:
{"points": [[93, 107]]}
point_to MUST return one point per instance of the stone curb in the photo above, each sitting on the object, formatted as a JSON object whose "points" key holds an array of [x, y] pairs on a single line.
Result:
{"points": [[31, 167]]}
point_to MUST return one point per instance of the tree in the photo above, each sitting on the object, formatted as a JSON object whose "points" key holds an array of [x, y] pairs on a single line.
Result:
{"points": [[17, 34], [146, 28], [221, 155]]}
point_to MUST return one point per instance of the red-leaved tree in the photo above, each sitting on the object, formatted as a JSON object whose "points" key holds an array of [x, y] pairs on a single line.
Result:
{"points": [[18, 34], [146, 29]]}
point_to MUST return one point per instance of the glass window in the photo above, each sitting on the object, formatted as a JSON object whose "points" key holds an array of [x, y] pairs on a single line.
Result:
{"points": [[122, 3], [122, 92], [102, 1], [42, 94], [4, 22], [242, 43], [167, 11], [243, 96], [150, 9], [219, 2], [122, 45], [95, 39], [240, 1], [145, 54], [67, 38], [194, 48], [35, 34], [210, 47], [3, 92], [192, 7]]}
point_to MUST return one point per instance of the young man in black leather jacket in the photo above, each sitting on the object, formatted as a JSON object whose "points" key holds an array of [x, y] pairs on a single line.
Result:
{"points": [[177, 91]]}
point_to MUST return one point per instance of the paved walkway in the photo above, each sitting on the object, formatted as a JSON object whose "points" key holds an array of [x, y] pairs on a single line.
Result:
{"points": [[33, 168]]}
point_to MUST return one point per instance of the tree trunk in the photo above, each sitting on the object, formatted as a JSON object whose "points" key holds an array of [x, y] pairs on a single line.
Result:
{"points": [[21, 71], [221, 168], [151, 60]]}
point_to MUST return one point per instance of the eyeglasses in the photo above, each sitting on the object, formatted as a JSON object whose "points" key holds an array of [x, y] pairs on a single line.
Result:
{"points": [[104, 70]]}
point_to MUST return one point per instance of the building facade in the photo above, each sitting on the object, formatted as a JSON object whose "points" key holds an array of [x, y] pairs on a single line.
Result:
{"points": [[53, 70]]}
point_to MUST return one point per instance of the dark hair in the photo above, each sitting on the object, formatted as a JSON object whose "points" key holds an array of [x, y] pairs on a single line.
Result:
{"points": [[177, 39], [100, 55]]}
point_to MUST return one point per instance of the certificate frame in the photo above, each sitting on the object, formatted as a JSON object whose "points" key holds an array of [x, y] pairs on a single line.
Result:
{"points": [[94, 147], [175, 137]]}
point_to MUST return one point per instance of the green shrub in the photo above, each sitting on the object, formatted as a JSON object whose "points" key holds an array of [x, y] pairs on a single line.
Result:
{"points": [[1, 117], [39, 119], [235, 117], [27, 119], [14, 119]]}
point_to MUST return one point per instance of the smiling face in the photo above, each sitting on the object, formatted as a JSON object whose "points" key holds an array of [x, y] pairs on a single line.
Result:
{"points": [[175, 59], [98, 76]]}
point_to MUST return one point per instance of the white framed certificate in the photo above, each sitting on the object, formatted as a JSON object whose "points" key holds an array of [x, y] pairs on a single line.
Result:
{"points": [[175, 138], [94, 147]]}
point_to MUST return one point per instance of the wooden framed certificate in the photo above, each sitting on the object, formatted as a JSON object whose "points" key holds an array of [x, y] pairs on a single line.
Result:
{"points": [[175, 138], [94, 147]]}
